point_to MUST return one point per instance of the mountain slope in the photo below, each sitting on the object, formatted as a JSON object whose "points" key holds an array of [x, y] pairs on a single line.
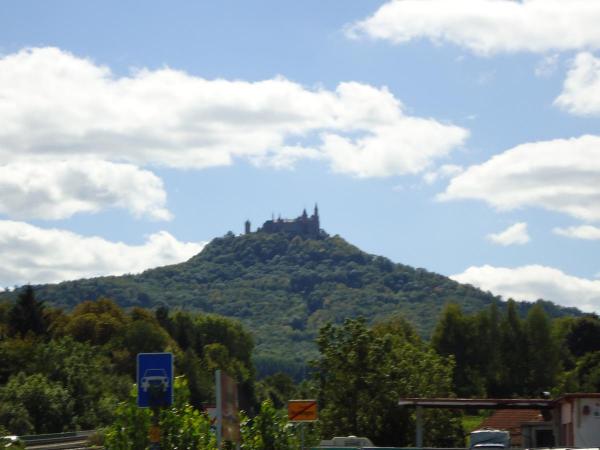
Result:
{"points": [[283, 288]]}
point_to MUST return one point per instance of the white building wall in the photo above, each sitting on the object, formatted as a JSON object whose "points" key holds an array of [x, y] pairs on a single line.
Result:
{"points": [[586, 422], [565, 413]]}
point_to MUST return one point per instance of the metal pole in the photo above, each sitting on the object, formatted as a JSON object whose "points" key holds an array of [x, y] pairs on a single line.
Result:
{"points": [[219, 406], [155, 429], [419, 436]]}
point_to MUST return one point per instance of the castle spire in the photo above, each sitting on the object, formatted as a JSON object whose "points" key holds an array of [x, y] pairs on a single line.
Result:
{"points": [[316, 210]]}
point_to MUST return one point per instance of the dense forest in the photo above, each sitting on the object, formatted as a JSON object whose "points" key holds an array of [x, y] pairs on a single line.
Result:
{"points": [[69, 370], [284, 288]]}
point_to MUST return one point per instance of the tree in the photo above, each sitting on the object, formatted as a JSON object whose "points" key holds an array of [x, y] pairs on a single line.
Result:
{"points": [[43, 404], [140, 336], [543, 352], [455, 335], [585, 377], [489, 357], [96, 322], [360, 376], [584, 335], [514, 353], [200, 379], [277, 388], [87, 374], [27, 315], [270, 430]]}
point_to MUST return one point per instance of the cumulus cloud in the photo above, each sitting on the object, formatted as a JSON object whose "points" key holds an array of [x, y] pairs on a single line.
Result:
{"points": [[59, 189], [514, 235], [30, 254], [286, 157], [487, 26], [443, 172], [561, 175], [587, 232], [581, 89], [54, 104], [534, 282]]}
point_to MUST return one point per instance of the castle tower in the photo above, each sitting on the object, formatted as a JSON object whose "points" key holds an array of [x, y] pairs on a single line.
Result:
{"points": [[315, 226], [247, 227]]}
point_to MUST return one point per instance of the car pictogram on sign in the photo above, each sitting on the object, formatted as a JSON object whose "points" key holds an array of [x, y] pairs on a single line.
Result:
{"points": [[155, 377]]}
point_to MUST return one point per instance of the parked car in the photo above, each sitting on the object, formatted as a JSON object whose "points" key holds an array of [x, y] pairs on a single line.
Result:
{"points": [[11, 442], [491, 439]]}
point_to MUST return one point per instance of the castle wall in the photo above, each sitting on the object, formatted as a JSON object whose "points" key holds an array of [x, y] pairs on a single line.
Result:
{"points": [[302, 226]]}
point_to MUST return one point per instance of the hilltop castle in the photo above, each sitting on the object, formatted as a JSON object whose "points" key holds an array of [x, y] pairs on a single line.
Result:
{"points": [[302, 225]]}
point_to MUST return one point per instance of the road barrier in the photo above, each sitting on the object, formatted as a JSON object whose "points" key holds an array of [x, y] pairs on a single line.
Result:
{"points": [[59, 441]]}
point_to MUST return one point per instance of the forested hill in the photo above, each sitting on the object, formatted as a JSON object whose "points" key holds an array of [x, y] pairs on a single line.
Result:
{"points": [[284, 288]]}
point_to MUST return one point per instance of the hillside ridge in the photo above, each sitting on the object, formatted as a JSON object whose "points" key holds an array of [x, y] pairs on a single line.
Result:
{"points": [[284, 287]]}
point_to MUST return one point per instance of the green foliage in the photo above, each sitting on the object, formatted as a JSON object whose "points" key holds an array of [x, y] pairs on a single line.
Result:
{"points": [[27, 315], [94, 322], [34, 404], [129, 431], [83, 360], [585, 376], [186, 428], [182, 426], [362, 373], [85, 365], [583, 335], [270, 430], [88, 377], [472, 422], [302, 283], [456, 335], [15, 355], [277, 388], [543, 362], [500, 355]]}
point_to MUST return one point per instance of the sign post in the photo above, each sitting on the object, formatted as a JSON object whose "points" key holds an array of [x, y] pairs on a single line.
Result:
{"points": [[301, 411], [155, 388], [228, 422]]}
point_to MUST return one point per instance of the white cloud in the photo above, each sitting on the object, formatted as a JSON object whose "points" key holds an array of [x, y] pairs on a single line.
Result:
{"points": [[534, 282], [588, 232], [59, 189], [547, 66], [488, 26], [514, 235], [29, 254], [561, 175], [286, 157], [445, 171], [581, 89], [55, 104]]}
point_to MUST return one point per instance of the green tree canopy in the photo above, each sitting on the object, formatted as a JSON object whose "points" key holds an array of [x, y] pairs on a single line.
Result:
{"points": [[42, 406], [360, 376], [27, 315], [543, 361]]}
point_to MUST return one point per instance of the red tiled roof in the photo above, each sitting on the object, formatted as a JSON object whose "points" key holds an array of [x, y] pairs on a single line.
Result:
{"points": [[511, 420]]}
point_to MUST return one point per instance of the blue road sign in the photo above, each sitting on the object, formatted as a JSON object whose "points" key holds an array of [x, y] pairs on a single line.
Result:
{"points": [[154, 379]]}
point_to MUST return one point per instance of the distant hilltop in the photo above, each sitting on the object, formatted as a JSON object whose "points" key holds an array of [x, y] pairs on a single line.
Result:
{"points": [[303, 225]]}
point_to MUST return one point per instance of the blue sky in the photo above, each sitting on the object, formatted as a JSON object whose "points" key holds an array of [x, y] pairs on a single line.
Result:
{"points": [[461, 136]]}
